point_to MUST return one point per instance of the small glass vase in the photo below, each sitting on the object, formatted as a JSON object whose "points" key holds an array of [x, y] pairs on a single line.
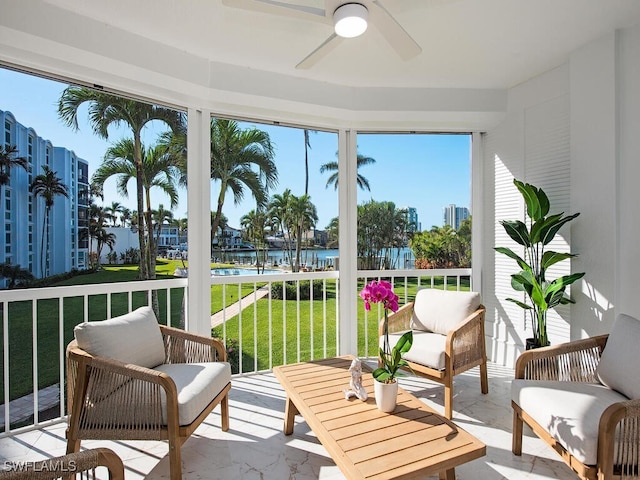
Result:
{"points": [[386, 395]]}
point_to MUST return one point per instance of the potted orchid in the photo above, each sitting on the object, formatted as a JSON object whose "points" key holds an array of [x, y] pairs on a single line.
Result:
{"points": [[390, 360]]}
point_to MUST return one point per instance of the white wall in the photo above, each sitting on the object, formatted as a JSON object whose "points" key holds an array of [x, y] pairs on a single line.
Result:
{"points": [[587, 114]]}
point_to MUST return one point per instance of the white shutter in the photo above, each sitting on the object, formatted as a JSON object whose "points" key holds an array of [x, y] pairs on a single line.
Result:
{"points": [[547, 165]]}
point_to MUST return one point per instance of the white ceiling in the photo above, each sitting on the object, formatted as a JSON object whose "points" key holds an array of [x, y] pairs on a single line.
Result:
{"points": [[486, 44]]}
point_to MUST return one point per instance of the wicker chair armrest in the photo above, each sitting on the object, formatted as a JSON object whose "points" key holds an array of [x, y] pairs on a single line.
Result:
{"points": [[570, 361], [618, 438], [399, 320], [188, 347], [70, 464]]}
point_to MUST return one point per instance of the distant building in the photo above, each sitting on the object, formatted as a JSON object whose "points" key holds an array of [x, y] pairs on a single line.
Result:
{"points": [[66, 244], [454, 216], [413, 225]]}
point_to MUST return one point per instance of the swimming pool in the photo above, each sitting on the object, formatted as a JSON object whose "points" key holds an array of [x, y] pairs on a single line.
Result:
{"points": [[242, 271]]}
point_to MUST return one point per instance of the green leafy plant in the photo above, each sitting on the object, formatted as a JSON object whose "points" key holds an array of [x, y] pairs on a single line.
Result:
{"points": [[390, 358], [543, 294]]}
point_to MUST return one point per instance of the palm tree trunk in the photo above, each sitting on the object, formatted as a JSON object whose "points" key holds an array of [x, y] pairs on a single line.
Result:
{"points": [[44, 226], [140, 204]]}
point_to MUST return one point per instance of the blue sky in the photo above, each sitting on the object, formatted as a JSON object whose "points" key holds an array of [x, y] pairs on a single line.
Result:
{"points": [[423, 171]]}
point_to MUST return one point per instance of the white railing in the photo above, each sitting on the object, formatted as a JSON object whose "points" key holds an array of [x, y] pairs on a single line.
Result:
{"points": [[260, 326], [54, 311]]}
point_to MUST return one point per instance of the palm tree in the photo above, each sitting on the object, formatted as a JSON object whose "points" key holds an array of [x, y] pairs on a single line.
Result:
{"points": [[47, 185], [159, 169], [8, 160], [307, 146], [113, 210], [103, 238], [279, 212], [362, 182], [160, 217], [254, 224], [97, 220], [107, 110], [15, 274], [304, 216], [125, 217], [234, 155]]}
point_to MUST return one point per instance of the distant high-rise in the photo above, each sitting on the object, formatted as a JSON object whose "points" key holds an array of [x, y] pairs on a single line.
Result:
{"points": [[454, 216], [413, 224], [66, 244]]}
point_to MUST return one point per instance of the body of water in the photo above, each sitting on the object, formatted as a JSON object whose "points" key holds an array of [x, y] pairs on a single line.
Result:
{"points": [[314, 258], [242, 271]]}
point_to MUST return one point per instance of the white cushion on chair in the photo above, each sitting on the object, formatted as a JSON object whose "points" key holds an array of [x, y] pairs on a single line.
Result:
{"points": [[618, 367], [439, 311], [569, 411], [197, 385], [427, 348], [133, 338]]}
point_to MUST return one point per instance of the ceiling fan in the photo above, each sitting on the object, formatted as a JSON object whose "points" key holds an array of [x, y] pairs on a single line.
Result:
{"points": [[339, 13]]}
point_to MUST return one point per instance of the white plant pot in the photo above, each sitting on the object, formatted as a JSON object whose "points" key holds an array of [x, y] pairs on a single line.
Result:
{"points": [[386, 395]]}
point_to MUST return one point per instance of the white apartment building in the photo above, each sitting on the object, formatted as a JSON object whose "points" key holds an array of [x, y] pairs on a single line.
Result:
{"points": [[66, 247]]}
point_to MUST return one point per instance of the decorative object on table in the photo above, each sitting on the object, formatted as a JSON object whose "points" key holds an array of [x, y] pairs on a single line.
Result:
{"points": [[355, 384], [541, 293], [390, 359]]}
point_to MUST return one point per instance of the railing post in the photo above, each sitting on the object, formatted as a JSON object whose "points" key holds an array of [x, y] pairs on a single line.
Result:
{"points": [[347, 171], [199, 234]]}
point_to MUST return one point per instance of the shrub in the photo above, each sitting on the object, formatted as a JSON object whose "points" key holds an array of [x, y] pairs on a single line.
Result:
{"points": [[291, 290]]}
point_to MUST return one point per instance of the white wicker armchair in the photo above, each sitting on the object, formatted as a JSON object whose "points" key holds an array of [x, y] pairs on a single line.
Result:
{"points": [[143, 381], [448, 337], [583, 399]]}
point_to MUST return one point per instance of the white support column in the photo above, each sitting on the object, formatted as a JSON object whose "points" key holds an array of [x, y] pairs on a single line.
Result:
{"points": [[199, 233], [477, 207], [348, 220]]}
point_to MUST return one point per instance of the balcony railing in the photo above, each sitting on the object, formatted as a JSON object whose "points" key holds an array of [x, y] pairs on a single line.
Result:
{"points": [[264, 321]]}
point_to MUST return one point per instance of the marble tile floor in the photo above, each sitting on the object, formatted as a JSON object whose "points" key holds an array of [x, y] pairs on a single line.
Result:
{"points": [[256, 448]]}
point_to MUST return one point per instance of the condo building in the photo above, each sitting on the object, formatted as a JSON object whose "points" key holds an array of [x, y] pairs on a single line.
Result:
{"points": [[65, 236]]}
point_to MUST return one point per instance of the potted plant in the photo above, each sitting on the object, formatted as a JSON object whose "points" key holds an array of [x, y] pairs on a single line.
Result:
{"points": [[390, 360], [542, 294]]}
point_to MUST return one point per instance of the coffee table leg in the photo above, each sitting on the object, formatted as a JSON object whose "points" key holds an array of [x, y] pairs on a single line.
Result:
{"points": [[290, 412], [449, 474]]}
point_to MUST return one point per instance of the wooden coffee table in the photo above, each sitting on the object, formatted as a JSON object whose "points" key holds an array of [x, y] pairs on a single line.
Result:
{"points": [[411, 442]]}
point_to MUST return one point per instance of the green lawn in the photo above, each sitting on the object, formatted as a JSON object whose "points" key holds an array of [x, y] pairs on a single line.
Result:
{"points": [[309, 332]]}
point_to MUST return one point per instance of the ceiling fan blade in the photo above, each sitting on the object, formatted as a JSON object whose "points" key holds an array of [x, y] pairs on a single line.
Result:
{"points": [[275, 7], [319, 53], [397, 36]]}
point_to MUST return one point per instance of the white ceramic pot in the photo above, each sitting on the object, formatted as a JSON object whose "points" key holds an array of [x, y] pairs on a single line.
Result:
{"points": [[386, 395]]}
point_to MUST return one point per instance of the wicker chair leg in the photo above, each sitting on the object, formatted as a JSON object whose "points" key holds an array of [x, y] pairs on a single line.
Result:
{"points": [[484, 378], [224, 412], [175, 459], [73, 445], [516, 439], [448, 400]]}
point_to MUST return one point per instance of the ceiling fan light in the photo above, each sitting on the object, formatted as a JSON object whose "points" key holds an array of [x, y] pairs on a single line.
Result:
{"points": [[350, 20]]}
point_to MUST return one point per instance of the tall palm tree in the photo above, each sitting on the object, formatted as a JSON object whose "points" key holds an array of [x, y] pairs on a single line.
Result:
{"points": [[113, 210], [160, 217], [307, 146], [254, 225], [125, 217], [97, 220], [279, 212], [9, 159], [103, 238], [48, 186], [304, 216], [361, 161], [107, 110], [159, 169], [241, 159]]}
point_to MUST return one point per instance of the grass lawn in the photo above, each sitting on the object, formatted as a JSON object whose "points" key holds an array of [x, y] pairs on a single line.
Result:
{"points": [[261, 347]]}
